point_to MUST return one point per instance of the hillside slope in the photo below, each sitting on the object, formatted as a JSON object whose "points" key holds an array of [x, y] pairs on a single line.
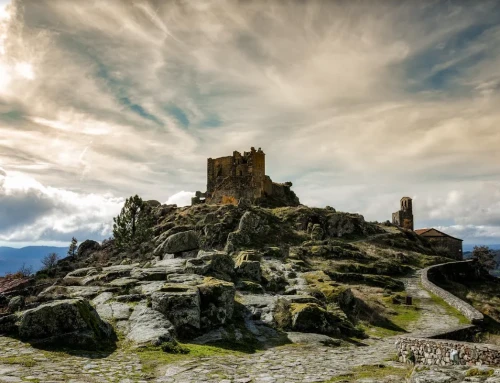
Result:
{"points": [[242, 274]]}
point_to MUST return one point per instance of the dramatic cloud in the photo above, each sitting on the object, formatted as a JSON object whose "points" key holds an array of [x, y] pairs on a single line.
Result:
{"points": [[33, 213], [356, 102], [183, 198]]}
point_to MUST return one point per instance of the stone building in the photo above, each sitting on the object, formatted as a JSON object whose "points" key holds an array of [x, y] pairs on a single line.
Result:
{"points": [[404, 217], [438, 238], [243, 177]]}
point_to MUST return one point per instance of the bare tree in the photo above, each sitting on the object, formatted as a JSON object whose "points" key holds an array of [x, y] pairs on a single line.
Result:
{"points": [[25, 271], [50, 261]]}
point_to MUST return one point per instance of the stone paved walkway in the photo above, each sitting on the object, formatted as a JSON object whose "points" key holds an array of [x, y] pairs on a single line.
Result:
{"points": [[308, 364], [20, 362]]}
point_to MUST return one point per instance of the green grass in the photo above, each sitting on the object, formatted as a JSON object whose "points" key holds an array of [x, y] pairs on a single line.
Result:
{"points": [[400, 318], [449, 309], [25, 360], [151, 358], [379, 332], [372, 372], [406, 315], [478, 372]]}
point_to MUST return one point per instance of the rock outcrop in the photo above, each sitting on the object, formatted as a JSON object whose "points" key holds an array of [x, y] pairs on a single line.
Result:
{"points": [[72, 322], [211, 270]]}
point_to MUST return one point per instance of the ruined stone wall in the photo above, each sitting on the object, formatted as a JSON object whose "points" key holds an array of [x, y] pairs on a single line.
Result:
{"points": [[243, 176]]}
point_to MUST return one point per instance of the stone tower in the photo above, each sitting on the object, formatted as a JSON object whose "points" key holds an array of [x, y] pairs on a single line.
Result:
{"points": [[242, 176], [404, 217]]}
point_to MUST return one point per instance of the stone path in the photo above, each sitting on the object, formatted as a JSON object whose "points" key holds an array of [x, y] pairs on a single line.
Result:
{"points": [[434, 317], [306, 363], [20, 362]]}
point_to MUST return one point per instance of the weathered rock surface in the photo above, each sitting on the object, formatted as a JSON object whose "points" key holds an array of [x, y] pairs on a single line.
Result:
{"points": [[312, 339], [16, 303], [216, 302], [456, 374], [181, 305], [215, 264], [87, 247], [149, 327], [179, 242], [249, 270], [71, 322]]}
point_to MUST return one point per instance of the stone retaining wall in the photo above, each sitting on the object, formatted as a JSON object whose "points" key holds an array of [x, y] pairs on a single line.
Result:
{"points": [[435, 349], [466, 309], [437, 352]]}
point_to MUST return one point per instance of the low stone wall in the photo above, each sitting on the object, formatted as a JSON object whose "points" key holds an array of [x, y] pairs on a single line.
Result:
{"points": [[435, 349], [437, 352], [466, 309]]}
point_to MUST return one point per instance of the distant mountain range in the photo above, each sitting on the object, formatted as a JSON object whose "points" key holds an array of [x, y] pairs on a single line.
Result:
{"points": [[12, 259], [469, 247]]}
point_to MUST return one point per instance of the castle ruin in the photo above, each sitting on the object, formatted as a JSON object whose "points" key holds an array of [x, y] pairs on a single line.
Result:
{"points": [[404, 217], [243, 177]]}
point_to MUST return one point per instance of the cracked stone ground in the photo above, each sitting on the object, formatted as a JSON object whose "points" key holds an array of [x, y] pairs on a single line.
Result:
{"points": [[21, 362]]}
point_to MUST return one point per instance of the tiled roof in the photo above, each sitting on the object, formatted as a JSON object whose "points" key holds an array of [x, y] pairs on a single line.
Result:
{"points": [[421, 231], [437, 234]]}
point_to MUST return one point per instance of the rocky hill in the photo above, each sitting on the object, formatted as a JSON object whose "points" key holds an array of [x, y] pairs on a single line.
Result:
{"points": [[221, 273]]}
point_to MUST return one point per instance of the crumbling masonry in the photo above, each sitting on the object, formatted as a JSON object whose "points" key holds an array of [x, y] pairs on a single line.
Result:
{"points": [[243, 177]]}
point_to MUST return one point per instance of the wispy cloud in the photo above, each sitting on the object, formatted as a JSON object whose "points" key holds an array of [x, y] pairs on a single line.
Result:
{"points": [[357, 103]]}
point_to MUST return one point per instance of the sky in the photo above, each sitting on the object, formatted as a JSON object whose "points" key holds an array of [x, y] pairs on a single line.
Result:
{"points": [[358, 103]]}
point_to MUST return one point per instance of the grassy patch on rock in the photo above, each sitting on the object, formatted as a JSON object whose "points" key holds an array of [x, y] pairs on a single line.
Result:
{"points": [[25, 360], [153, 357], [396, 319], [373, 372]]}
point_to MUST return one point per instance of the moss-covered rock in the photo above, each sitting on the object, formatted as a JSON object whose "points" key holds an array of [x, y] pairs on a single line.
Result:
{"points": [[367, 279], [310, 317], [181, 305], [72, 322], [331, 291], [215, 264], [216, 302]]}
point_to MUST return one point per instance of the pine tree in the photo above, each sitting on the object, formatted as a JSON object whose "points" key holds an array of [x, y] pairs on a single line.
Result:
{"points": [[72, 247], [134, 224]]}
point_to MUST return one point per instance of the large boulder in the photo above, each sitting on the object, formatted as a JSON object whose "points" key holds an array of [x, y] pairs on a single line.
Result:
{"points": [[249, 270], [306, 314], [181, 305], [215, 264], [342, 224], [8, 324], [87, 247], [16, 303], [216, 302], [149, 327], [179, 242], [310, 317], [71, 322], [251, 227]]}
